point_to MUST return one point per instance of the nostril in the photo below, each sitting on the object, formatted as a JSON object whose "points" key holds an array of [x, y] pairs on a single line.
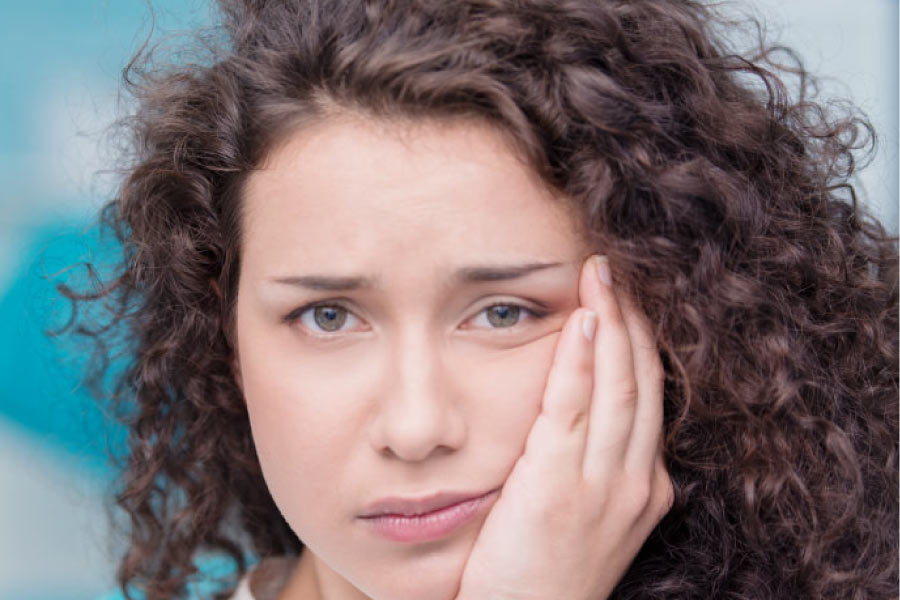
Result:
{"points": [[417, 430]]}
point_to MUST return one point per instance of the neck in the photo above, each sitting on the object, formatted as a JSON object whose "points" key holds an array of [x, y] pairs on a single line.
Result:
{"points": [[304, 582], [312, 579]]}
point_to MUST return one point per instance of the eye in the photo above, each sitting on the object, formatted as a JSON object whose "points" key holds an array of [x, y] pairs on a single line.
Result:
{"points": [[505, 315], [328, 317], [322, 317]]}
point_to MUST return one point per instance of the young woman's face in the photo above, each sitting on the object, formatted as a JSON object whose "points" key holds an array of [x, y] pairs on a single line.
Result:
{"points": [[443, 272]]}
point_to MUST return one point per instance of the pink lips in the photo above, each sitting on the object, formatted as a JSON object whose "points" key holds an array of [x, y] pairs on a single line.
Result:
{"points": [[425, 519]]}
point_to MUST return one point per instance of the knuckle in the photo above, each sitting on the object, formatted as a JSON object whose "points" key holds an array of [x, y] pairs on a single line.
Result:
{"points": [[666, 498], [643, 499], [568, 407], [628, 391], [585, 369], [573, 419], [636, 496]]}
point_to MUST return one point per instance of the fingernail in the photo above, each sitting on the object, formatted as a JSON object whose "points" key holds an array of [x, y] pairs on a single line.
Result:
{"points": [[589, 324], [603, 269]]}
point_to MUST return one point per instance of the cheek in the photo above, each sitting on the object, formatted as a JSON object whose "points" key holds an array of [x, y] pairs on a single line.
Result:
{"points": [[506, 390], [288, 437], [304, 428]]}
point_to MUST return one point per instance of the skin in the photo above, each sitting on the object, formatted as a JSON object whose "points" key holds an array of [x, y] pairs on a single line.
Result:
{"points": [[418, 391]]}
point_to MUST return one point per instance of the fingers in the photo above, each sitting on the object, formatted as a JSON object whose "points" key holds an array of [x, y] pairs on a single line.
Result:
{"points": [[615, 393], [556, 443], [602, 405], [626, 417], [645, 449], [645, 445]]}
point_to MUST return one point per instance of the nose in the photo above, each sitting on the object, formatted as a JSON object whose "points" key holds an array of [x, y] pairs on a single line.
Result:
{"points": [[419, 413]]}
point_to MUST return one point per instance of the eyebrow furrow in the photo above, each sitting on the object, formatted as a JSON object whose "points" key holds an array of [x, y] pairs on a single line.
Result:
{"points": [[326, 283], [481, 274], [478, 274]]}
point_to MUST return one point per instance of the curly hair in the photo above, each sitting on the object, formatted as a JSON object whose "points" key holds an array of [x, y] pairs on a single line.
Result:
{"points": [[720, 196]]}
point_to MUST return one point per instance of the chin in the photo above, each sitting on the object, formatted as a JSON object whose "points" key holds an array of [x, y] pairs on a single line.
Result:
{"points": [[412, 586], [413, 591], [426, 574]]}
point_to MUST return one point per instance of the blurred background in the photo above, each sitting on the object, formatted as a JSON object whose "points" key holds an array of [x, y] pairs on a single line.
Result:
{"points": [[60, 62]]}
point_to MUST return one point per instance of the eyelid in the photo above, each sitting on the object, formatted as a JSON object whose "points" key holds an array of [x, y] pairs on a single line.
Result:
{"points": [[294, 317], [534, 313]]}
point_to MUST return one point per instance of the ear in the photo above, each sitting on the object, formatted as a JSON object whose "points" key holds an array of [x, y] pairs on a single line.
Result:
{"points": [[234, 362]]}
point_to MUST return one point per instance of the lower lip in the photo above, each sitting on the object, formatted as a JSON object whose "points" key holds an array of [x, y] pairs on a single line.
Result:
{"points": [[433, 525]]}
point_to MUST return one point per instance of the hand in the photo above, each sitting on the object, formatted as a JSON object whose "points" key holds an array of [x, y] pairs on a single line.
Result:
{"points": [[591, 483]]}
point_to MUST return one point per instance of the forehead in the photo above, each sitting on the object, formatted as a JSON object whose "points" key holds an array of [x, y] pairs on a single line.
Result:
{"points": [[359, 189]]}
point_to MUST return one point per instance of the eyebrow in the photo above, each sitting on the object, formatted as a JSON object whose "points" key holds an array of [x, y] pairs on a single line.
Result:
{"points": [[463, 275]]}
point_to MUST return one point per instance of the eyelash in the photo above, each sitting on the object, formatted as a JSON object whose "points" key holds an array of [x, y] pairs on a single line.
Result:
{"points": [[295, 315]]}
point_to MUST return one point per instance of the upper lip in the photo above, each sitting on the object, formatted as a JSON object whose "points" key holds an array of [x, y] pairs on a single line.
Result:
{"points": [[396, 505]]}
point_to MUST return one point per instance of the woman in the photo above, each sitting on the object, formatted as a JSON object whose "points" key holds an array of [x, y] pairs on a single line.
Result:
{"points": [[369, 330]]}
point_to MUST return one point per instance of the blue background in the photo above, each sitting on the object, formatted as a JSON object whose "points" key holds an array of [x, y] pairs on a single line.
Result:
{"points": [[59, 74]]}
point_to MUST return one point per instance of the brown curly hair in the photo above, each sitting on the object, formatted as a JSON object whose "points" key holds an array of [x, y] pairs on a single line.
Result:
{"points": [[729, 216]]}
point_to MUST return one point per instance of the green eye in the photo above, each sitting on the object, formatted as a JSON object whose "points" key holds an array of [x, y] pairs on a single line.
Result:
{"points": [[324, 318], [503, 315], [506, 315], [329, 318]]}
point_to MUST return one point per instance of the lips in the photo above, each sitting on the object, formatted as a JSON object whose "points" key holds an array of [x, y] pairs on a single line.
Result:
{"points": [[408, 507], [427, 519]]}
